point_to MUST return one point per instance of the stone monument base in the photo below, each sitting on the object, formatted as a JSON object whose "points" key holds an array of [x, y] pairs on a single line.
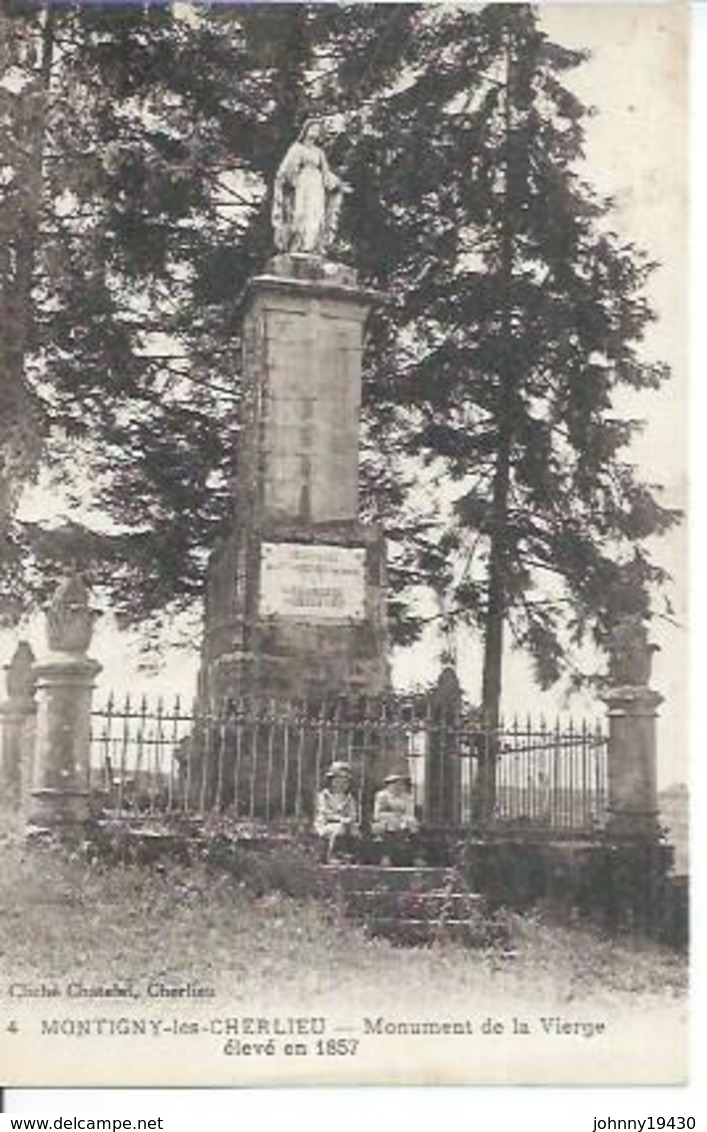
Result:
{"points": [[316, 628]]}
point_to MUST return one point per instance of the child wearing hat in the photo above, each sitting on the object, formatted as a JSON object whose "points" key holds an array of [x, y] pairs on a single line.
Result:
{"points": [[394, 806], [336, 819], [395, 823]]}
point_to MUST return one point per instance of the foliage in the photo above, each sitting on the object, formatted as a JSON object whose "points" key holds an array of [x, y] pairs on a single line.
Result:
{"points": [[22, 418], [619, 886]]}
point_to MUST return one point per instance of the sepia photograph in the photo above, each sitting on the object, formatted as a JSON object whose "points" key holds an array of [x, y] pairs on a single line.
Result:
{"points": [[343, 491]]}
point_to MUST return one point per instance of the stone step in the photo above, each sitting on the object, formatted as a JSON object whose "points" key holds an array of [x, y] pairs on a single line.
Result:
{"points": [[414, 907], [419, 933], [377, 877], [413, 903]]}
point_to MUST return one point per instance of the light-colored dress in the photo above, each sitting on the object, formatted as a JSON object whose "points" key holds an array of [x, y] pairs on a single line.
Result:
{"points": [[335, 813], [394, 813]]}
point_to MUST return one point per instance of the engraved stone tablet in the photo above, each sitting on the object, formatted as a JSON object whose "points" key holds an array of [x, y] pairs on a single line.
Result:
{"points": [[312, 583]]}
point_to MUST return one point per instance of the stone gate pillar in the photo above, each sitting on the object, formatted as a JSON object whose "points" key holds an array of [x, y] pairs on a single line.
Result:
{"points": [[65, 679], [632, 707], [442, 804], [16, 721]]}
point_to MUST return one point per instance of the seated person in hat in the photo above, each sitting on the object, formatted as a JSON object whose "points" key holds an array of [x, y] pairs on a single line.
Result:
{"points": [[394, 821], [394, 806], [336, 819]]}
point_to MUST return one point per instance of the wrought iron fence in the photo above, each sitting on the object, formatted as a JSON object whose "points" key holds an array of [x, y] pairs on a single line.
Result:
{"points": [[265, 760]]}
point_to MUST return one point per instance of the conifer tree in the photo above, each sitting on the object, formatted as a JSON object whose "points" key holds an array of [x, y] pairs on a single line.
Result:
{"points": [[519, 315]]}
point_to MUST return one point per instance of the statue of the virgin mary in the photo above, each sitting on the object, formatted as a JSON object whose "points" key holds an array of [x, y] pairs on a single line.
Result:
{"points": [[307, 197]]}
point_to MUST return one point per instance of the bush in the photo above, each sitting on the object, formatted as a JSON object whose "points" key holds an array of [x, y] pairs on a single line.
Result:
{"points": [[289, 868], [619, 886]]}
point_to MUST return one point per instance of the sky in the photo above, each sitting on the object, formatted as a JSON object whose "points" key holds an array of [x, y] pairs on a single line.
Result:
{"points": [[635, 152]]}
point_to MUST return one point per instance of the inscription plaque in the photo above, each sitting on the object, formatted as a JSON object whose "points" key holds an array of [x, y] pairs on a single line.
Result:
{"points": [[312, 583]]}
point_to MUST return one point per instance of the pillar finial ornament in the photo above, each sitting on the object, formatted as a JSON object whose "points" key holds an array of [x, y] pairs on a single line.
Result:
{"points": [[69, 619]]}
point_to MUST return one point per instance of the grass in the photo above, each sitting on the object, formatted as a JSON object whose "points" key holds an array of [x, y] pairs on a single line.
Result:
{"points": [[63, 917]]}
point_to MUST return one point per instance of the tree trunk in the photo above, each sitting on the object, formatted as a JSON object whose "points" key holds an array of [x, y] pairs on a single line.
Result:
{"points": [[492, 677], [292, 65]]}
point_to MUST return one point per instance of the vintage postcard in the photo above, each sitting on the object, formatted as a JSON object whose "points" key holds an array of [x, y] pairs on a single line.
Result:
{"points": [[343, 544]]}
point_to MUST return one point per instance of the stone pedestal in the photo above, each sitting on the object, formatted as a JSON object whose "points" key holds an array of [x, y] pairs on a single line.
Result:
{"points": [[302, 341], [632, 789], [16, 727], [65, 679], [296, 593], [60, 787], [17, 723]]}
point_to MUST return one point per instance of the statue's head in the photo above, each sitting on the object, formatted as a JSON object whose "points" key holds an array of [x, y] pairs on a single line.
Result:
{"points": [[310, 132]]}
